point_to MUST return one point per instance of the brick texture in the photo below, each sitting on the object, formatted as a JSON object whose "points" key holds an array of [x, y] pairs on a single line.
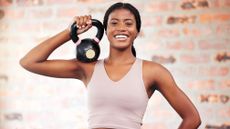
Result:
{"points": [[189, 37]]}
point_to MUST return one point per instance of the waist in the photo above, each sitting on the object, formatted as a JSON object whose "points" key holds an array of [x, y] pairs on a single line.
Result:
{"points": [[113, 122], [103, 128]]}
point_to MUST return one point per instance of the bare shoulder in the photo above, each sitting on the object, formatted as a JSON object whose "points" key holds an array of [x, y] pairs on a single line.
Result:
{"points": [[153, 73], [152, 67]]}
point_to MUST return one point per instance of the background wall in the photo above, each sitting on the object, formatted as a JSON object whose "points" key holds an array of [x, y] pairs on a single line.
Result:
{"points": [[189, 37]]}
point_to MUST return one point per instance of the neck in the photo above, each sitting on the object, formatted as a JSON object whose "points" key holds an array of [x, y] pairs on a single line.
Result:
{"points": [[120, 57]]}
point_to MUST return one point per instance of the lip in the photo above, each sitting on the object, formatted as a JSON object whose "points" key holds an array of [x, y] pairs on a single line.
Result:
{"points": [[121, 34], [121, 39]]}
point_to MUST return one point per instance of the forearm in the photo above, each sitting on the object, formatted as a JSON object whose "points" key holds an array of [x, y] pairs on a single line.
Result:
{"points": [[41, 52]]}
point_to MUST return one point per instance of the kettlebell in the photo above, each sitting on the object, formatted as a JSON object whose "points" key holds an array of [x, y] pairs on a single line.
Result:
{"points": [[87, 50]]}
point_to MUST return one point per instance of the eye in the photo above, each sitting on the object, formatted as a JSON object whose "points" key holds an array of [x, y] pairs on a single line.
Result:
{"points": [[113, 22], [128, 23]]}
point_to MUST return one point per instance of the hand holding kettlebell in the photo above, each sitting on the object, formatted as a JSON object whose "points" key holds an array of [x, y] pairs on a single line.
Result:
{"points": [[87, 50], [83, 23]]}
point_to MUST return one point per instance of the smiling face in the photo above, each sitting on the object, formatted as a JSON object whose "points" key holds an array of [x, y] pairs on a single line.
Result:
{"points": [[121, 28]]}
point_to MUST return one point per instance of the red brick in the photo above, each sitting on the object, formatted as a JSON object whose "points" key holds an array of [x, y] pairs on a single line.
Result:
{"points": [[40, 13], [160, 6], [227, 3], [197, 31], [224, 84], [195, 59], [189, 71], [194, 4], [3, 79], [214, 98], [180, 45], [13, 116], [206, 18], [219, 3], [181, 19], [29, 2], [168, 33], [29, 27], [55, 26], [4, 26], [224, 112], [214, 44], [202, 84], [14, 14], [93, 10], [152, 21], [70, 12], [5, 3], [202, 4], [92, 1], [220, 17], [59, 2], [214, 71], [223, 29], [163, 59], [2, 13], [222, 56], [150, 46]]}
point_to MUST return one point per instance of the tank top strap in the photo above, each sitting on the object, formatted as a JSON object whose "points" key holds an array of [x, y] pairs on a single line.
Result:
{"points": [[137, 68]]}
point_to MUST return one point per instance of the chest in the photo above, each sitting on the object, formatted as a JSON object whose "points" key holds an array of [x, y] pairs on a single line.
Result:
{"points": [[116, 73]]}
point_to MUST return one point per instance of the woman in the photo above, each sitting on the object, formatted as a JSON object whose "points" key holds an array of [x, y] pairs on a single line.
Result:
{"points": [[119, 86]]}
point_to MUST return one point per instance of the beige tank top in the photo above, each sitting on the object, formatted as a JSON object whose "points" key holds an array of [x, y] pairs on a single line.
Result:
{"points": [[120, 104]]}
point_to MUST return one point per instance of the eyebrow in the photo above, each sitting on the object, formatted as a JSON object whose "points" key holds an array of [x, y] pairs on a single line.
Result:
{"points": [[127, 19]]}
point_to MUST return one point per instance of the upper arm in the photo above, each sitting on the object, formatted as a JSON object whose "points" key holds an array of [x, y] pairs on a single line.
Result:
{"points": [[173, 94], [56, 68]]}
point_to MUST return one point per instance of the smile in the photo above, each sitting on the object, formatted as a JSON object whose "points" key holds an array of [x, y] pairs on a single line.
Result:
{"points": [[121, 37]]}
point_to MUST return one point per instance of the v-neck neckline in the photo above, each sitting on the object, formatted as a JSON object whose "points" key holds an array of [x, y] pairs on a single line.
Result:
{"points": [[123, 77]]}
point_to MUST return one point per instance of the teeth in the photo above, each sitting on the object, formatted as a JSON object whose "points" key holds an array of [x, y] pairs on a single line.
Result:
{"points": [[121, 36]]}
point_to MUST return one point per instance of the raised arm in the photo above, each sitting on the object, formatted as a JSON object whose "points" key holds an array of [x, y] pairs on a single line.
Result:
{"points": [[37, 61], [163, 81]]}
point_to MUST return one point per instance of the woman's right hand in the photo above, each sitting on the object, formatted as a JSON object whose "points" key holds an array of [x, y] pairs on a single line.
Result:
{"points": [[83, 23]]}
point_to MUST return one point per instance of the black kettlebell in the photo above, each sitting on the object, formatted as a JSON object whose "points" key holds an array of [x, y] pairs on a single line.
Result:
{"points": [[87, 49]]}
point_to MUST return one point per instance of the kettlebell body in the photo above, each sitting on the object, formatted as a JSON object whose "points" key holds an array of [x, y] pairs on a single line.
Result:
{"points": [[87, 50]]}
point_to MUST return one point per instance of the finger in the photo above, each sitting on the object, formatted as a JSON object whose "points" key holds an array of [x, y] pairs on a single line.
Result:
{"points": [[77, 19], [89, 20], [84, 21]]}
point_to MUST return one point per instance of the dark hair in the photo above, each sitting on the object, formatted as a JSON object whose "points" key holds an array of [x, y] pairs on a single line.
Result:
{"points": [[129, 7]]}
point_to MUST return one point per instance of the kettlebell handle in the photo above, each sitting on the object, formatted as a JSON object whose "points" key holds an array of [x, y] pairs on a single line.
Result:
{"points": [[96, 23], [100, 29]]}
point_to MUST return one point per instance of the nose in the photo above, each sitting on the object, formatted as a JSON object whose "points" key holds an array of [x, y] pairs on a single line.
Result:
{"points": [[121, 27]]}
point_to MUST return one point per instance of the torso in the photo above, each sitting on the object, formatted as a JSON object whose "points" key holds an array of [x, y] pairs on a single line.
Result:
{"points": [[116, 73]]}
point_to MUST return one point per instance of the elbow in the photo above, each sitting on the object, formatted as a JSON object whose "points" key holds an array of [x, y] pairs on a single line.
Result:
{"points": [[195, 121], [191, 122], [25, 64]]}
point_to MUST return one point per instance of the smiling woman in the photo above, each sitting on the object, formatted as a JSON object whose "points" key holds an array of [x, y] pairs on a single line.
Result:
{"points": [[119, 86]]}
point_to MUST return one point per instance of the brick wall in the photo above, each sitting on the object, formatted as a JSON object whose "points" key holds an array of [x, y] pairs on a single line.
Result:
{"points": [[189, 37]]}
